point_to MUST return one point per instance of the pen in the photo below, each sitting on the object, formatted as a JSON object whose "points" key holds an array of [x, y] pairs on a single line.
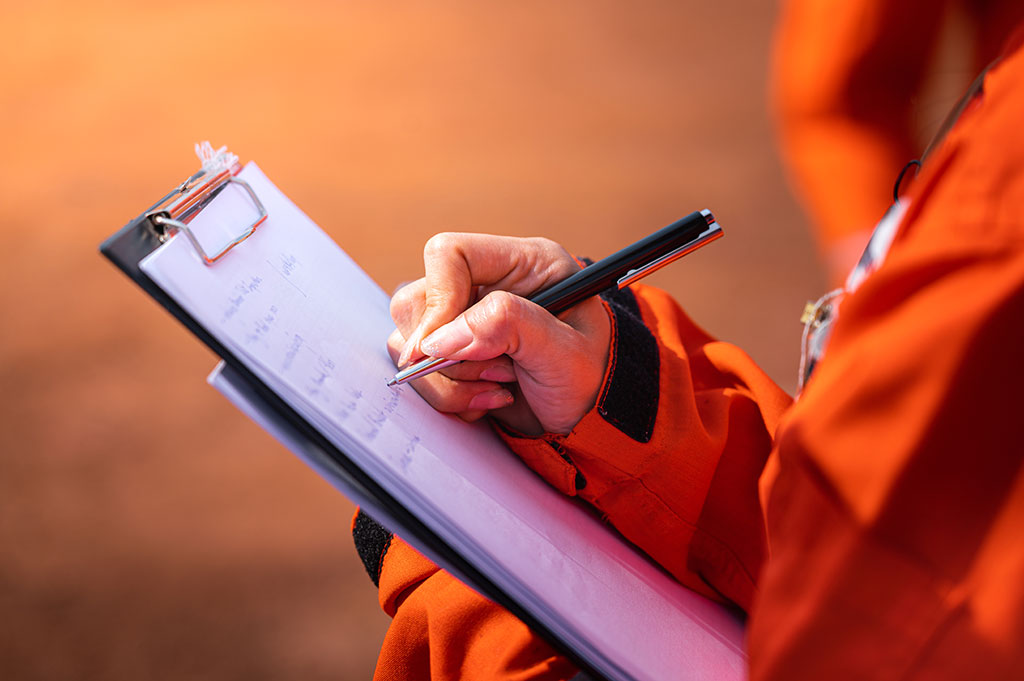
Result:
{"points": [[620, 269]]}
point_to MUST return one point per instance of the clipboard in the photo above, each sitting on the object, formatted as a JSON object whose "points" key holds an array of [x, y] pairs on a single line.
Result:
{"points": [[718, 652], [127, 247]]}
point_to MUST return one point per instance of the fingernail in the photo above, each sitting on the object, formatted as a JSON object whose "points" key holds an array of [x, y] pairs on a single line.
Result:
{"points": [[499, 374], [403, 357], [492, 399], [410, 346], [449, 339]]}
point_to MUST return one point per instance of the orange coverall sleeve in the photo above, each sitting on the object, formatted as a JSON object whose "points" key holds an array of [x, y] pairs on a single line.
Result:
{"points": [[844, 78], [672, 452], [670, 455]]}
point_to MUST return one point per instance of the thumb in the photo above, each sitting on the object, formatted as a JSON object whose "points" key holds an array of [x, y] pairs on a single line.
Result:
{"points": [[501, 323], [559, 367]]}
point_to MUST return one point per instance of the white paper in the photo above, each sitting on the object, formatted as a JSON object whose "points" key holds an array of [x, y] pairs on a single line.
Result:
{"points": [[306, 320]]}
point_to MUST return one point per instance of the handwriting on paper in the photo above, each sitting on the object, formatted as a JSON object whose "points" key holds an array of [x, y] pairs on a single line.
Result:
{"points": [[285, 265], [297, 306], [239, 294], [262, 325]]}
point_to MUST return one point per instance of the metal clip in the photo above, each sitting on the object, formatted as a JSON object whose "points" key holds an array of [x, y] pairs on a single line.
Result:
{"points": [[173, 219]]}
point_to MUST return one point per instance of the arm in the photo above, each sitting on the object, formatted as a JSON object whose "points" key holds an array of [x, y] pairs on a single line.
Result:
{"points": [[442, 629], [846, 80], [895, 520], [672, 449], [623, 401], [626, 403]]}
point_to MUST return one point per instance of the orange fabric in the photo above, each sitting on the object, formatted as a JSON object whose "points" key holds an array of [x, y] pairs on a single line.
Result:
{"points": [[442, 629], [688, 498], [895, 520], [847, 75], [894, 488], [712, 436]]}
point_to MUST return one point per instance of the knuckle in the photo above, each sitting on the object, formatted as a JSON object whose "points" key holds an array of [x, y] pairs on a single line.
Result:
{"points": [[395, 342], [401, 286], [408, 290], [441, 242], [554, 257], [402, 299], [495, 321], [545, 245], [498, 309]]}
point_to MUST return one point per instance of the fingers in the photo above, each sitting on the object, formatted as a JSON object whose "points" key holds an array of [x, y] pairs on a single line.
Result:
{"points": [[497, 370], [500, 324], [531, 370], [469, 389], [456, 264], [407, 305], [558, 366]]}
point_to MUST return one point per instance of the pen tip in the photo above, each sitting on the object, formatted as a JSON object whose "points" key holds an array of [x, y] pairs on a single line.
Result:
{"points": [[393, 381]]}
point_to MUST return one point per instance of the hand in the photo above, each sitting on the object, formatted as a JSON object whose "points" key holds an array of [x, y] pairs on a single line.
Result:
{"points": [[529, 369]]}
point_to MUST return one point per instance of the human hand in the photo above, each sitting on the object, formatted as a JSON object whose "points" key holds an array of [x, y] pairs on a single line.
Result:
{"points": [[529, 369]]}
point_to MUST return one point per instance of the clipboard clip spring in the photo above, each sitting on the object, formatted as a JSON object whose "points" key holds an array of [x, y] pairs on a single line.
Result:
{"points": [[169, 221]]}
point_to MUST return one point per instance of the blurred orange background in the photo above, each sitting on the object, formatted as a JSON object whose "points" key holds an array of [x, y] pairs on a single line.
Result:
{"points": [[148, 530]]}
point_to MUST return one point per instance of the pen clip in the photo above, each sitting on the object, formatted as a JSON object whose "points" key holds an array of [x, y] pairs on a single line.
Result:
{"points": [[713, 232]]}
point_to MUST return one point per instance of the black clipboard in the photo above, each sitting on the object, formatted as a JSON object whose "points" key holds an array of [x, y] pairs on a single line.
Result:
{"points": [[127, 247]]}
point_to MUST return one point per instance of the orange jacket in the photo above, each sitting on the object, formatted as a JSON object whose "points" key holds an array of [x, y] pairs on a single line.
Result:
{"points": [[873, 529]]}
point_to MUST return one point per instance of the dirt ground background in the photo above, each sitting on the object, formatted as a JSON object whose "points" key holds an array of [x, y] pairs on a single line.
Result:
{"points": [[147, 529]]}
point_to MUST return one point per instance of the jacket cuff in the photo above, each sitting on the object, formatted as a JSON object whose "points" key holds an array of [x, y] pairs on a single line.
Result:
{"points": [[629, 397], [404, 568], [372, 542]]}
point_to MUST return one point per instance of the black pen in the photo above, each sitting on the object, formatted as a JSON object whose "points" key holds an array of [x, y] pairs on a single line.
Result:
{"points": [[620, 269]]}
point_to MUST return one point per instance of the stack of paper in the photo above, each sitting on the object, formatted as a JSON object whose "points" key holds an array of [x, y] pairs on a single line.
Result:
{"points": [[312, 326]]}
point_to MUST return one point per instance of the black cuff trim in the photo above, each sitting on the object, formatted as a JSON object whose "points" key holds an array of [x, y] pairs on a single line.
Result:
{"points": [[630, 400], [372, 543]]}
